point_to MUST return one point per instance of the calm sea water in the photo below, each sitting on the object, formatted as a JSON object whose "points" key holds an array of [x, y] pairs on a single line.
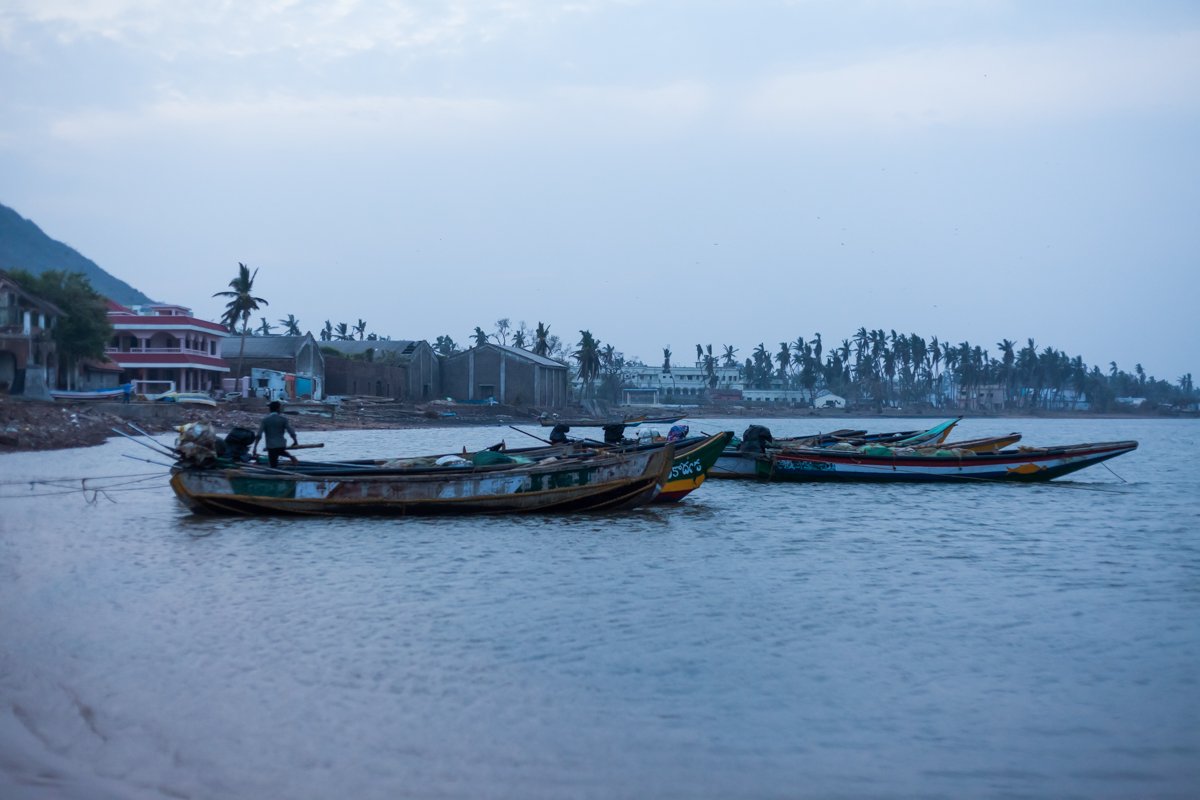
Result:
{"points": [[756, 641]]}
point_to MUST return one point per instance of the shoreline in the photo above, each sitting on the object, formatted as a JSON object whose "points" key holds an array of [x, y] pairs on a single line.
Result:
{"points": [[34, 425]]}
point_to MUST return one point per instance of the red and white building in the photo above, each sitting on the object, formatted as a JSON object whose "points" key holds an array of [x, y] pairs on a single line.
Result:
{"points": [[166, 343]]}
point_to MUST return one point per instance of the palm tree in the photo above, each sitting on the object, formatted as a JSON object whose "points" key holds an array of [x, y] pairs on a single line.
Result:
{"points": [[481, 338], [729, 357], [710, 367], [1008, 362], [762, 367], [291, 325], [265, 328], [342, 332], [519, 338], [783, 358], [667, 360], [327, 332], [361, 329], [541, 340], [242, 303], [588, 356], [445, 345]]}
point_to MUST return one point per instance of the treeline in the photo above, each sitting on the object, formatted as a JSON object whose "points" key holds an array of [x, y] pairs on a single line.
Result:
{"points": [[882, 368], [873, 367], [889, 368]]}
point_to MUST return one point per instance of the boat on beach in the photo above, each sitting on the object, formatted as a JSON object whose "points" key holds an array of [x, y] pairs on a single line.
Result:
{"points": [[115, 393], [559, 481], [186, 398]]}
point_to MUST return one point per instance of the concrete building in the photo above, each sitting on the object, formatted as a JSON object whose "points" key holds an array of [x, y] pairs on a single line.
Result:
{"points": [[509, 374], [162, 343], [647, 385], [28, 360], [402, 369]]}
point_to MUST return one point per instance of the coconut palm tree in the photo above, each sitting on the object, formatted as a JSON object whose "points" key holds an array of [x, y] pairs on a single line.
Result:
{"points": [[667, 360], [519, 338], [480, 337], [541, 340], [265, 328], [242, 303], [588, 357], [710, 367], [762, 367], [342, 332], [361, 329], [291, 325], [327, 332], [444, 345], [783, 358], [1008, 362], [729, 357]]}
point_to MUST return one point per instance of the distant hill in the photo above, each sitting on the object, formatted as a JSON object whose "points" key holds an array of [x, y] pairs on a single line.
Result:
{"points": [[23, 245]]}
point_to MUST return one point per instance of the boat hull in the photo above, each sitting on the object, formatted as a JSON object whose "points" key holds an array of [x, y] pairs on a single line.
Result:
{"points": [[690, 467], [1019, 465], [606, 482], [95, 394]]}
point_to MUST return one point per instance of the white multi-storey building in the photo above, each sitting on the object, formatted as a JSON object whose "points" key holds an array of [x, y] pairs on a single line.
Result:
{"points": [[646, 385]]}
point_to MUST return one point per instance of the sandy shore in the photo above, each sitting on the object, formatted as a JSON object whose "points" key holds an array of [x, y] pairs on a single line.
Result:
{"points": [[42, 425]]}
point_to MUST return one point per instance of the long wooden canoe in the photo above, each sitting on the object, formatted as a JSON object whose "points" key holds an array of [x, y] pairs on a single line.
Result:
{"points": [[1024, 464], [588, 482]]}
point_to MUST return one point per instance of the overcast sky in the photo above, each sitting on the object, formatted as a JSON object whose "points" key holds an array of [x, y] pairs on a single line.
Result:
{"points": [[660, 173]]}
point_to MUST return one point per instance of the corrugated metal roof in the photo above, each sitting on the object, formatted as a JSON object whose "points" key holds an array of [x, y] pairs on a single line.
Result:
{"points": [[515, 352], [264, 346], [403, 348]]}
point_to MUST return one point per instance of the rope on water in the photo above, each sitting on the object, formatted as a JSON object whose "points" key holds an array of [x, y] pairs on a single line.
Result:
{"points": [[91, 488]]}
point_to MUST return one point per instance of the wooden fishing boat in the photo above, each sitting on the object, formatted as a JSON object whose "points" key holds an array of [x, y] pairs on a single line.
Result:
{"points": [[587, 481], [693, 459], [550, 422], [739, 461], [93, 394], [880, 463], [186, 398], [984, 444]]}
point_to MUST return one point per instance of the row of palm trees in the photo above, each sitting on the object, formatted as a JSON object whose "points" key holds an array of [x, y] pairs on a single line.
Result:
{"points": [[874, 366], [886, 368]]}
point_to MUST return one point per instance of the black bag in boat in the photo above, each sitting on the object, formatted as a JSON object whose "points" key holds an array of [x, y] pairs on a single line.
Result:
{"points": [[755, 439], [237, 444]]}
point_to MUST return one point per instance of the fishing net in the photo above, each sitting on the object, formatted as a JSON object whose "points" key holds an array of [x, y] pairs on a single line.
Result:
{"points": [[197, 443]]}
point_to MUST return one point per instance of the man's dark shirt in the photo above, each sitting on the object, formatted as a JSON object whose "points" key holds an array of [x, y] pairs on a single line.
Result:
{"points": [[272, 428]]}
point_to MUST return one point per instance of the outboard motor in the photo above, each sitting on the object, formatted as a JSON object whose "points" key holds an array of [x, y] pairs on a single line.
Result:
{"points": [[755, 439], [558, 434], [237, 444], [614, 434]]}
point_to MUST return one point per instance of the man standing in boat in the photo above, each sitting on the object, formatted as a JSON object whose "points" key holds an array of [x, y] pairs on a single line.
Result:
{"points": [[272, 428]]}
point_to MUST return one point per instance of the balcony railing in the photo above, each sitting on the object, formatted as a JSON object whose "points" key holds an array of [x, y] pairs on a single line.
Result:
{"points": [[162, 351]]}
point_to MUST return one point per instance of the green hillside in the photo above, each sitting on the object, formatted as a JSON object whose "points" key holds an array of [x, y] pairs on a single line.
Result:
{"points": [[23, 245]]}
